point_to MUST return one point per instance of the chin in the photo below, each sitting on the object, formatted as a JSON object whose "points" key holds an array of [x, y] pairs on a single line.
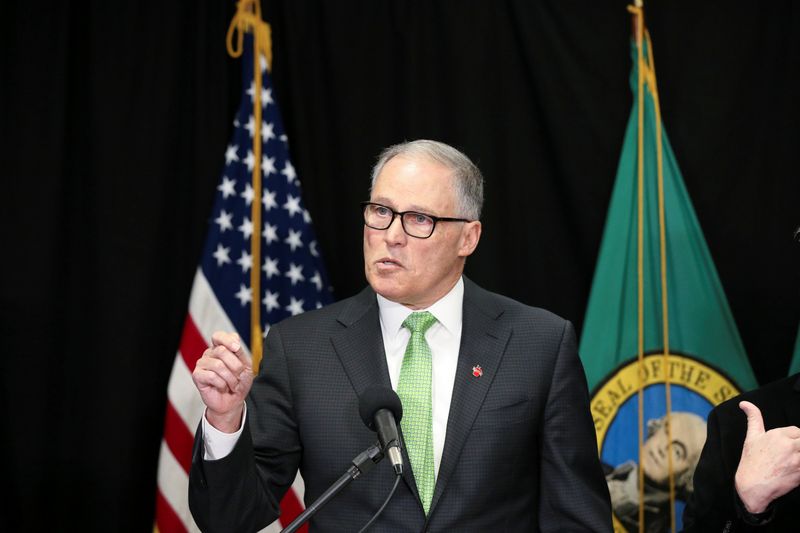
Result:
{"points": [[387, 290]]}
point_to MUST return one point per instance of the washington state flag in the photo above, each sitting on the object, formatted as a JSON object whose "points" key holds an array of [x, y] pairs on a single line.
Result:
{"points": [[659, 344], [794, 366]]}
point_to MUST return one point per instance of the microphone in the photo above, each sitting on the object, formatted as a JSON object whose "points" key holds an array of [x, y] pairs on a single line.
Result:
{"points": [[381, 410], [379, 407]]}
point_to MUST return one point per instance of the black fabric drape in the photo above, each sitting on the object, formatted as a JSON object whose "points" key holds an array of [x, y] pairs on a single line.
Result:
{"points": [[115, 117]]}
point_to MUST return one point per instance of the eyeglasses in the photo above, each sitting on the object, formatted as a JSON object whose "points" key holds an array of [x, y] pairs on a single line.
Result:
{"points": [[418, 225]]}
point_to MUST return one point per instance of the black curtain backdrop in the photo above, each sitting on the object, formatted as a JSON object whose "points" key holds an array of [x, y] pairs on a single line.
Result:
{"points": [[115, 117]]}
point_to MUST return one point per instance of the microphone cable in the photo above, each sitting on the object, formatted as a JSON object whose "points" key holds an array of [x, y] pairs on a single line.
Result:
{"points": [[386, 501]]}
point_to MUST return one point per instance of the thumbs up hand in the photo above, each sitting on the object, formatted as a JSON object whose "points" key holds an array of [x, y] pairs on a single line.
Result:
{"points": [[770, 462]]}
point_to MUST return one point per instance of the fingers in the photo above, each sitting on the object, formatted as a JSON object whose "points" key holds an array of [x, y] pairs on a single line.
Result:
{"points": [[233, 343], [755, 423], [218, 379], [230, 340], [224, 364], [789, 432]]}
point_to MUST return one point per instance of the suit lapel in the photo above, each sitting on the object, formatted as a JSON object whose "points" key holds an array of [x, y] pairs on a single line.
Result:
{"points": [[483, 342], [360, 345]]}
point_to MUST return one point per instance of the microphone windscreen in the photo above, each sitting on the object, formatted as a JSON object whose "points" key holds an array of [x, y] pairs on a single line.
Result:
{"points": [[375, 398]]}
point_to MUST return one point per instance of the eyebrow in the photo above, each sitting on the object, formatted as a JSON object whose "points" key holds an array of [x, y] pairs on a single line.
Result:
{"points": [[388, 203]]}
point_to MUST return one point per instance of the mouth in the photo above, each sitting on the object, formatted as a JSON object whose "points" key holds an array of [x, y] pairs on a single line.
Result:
{"points": [[388, 262]]}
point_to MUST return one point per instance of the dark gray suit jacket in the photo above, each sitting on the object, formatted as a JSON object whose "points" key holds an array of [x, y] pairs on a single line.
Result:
{"points": [[520, 452]]}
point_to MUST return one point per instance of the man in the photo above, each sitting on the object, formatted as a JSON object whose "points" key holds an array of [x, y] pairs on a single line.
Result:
{"points": [[496, 428], [748, 478]]}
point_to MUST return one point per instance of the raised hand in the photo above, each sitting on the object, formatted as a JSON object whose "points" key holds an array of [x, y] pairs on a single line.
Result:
{"points": [[770, 462], [223, 376]]}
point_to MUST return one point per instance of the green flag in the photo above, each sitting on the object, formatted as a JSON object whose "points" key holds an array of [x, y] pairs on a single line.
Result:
{"points": [[794, 368], [653, 245]]}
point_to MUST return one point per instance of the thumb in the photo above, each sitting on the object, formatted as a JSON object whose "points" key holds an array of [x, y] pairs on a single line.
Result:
{"points": [[755, 423]]}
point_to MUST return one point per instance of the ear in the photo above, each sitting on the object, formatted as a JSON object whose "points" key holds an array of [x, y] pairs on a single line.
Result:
{"points": [[470, 235]]}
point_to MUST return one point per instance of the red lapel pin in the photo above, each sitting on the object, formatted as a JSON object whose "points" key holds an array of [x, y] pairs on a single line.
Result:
{"points": [[477, 371]]}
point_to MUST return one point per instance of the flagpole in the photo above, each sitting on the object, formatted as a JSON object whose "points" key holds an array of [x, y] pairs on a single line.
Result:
{"points": [[664, 292], [248, 18], [646, 76], [638, 23]]}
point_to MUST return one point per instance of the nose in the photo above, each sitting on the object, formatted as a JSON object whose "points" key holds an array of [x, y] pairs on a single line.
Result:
{"points": [[395, 234]]}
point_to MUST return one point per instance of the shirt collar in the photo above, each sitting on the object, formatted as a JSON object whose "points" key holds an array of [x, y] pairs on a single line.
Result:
{"points": [[447, 310]]}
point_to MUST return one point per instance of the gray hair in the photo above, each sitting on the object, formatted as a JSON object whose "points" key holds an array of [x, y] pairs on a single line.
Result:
{"points": [[469, 180]]}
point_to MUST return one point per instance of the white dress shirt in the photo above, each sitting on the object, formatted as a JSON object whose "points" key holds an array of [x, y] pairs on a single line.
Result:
{"points": [[444, 339]]}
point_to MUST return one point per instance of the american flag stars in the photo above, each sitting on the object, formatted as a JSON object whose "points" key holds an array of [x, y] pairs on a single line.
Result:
{"points": [[283, 239], [292, 275]]}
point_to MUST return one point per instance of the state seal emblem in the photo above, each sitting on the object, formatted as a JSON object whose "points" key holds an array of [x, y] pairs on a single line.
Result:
{"points": [[667, 442]]}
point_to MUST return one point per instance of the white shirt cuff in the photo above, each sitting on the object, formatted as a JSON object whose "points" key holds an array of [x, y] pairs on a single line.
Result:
{"points": [[217, 443]]}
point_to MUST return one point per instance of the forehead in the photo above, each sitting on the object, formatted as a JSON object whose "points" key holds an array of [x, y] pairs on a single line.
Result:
{"points": [[415, 183]]}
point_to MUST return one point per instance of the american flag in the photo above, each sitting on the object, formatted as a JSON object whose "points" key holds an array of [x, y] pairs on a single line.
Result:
{"points": [[293, 280]]}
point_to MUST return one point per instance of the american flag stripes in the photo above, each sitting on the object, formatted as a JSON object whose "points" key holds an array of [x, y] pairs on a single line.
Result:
{"points": [[293, 280]]}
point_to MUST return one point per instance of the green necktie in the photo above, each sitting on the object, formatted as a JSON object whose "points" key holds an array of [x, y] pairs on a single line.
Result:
{"points": [[414, 390]]}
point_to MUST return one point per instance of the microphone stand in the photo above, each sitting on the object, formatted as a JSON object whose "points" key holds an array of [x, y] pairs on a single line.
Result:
{"points": [[361, 464]]}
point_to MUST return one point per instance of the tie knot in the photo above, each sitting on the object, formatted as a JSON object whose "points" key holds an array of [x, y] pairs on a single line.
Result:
{"points": [[419, 322]]}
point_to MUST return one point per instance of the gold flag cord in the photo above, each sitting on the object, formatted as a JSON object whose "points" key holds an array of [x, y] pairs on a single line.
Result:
{"points": [[640, 253], [647, 76], [248, 19], [662, 238]]}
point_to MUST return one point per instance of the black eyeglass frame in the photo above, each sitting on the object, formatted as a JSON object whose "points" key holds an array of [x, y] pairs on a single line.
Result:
{"points": [[402, 214]]}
